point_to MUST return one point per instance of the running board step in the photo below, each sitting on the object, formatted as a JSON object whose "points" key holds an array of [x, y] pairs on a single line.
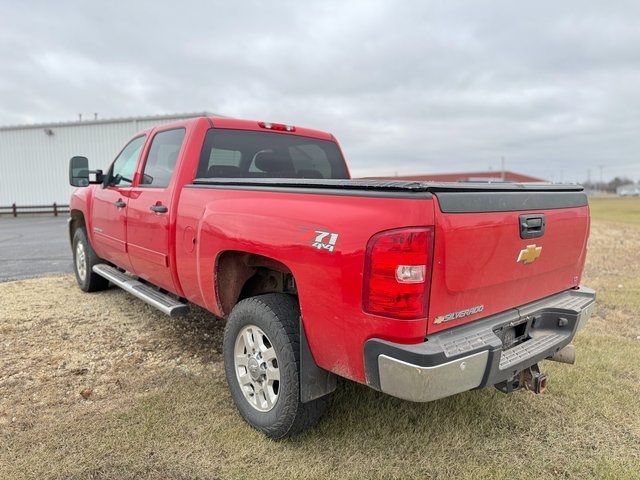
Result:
{"points": [[164, 303]]}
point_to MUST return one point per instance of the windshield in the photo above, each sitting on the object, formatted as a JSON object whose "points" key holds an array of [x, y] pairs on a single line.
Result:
{"points": [[249, 154]]}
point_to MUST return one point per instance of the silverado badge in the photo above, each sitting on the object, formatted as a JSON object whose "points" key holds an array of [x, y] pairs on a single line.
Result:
{"points": [[529, 254], [456, 315]]}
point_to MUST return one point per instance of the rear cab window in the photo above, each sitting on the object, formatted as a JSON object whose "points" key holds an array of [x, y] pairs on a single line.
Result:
{"points": [[250, 154]]}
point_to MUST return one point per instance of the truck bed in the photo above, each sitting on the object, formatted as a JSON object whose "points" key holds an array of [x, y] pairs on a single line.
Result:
{"points": [[478, 246]]}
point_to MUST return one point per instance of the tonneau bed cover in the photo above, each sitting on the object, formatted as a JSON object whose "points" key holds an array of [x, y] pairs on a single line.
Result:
{"points": [[460, 197], [389, 185]]}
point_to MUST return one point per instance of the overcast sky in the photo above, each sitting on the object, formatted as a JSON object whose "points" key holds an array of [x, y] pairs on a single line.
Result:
{"points": [[407, 87]]}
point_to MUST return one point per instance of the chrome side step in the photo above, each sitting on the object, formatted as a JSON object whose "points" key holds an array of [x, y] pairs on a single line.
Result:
{"points": [[164, 303]]}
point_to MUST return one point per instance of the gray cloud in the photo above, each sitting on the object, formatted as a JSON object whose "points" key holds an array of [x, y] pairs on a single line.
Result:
{"points": [[410, 87]]}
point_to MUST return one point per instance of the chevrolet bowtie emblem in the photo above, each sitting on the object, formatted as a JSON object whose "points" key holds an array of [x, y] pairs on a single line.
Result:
{"points": [[529, 254]]}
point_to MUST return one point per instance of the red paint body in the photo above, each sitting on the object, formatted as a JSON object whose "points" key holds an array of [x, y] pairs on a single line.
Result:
{"points": [[473, 253]]}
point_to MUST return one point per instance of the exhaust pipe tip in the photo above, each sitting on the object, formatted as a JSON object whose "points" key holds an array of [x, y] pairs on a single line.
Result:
{"points": [[566, 355]]}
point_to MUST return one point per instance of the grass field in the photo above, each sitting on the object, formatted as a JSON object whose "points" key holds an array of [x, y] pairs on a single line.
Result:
{"points": [[159, 407], [624, 210]]}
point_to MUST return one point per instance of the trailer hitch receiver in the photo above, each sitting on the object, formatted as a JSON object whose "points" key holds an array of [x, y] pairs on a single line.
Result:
{"points": [[532, 379]]}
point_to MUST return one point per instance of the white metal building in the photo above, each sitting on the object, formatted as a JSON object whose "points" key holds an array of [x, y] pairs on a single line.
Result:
{"points": [[34, 159], [629, 190]]}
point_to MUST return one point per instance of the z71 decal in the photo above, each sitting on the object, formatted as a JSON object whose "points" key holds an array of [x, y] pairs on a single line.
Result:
{"points": [[320, 239], [325, 240]]}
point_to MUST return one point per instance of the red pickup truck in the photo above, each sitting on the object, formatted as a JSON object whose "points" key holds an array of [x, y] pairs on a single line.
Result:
{"points": [[420, 290]]}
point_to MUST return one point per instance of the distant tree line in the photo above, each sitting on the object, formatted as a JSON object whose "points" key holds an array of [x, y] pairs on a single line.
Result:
{"points": [[610, 186]]}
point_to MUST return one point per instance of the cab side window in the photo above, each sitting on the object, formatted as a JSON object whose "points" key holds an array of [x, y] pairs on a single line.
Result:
{"points": [[124, 166], [162, 158]]}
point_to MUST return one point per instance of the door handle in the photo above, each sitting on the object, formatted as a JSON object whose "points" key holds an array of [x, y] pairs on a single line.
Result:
{"points": [[159, 208], [120, 203], [532, 226]]}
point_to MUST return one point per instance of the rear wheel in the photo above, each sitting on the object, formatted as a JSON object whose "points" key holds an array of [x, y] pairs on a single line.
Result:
{"points": [[262, 362], [84, 258]]}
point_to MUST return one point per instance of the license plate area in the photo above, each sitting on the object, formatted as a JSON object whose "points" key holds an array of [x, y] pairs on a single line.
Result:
{"points": [[514, 333]]}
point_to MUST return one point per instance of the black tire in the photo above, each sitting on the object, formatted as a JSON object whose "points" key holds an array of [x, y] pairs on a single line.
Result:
{"points": [[277, 315], [89, 282]]}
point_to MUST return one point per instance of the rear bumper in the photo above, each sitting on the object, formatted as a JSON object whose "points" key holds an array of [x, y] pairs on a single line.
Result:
{"points": [[474, 355]]}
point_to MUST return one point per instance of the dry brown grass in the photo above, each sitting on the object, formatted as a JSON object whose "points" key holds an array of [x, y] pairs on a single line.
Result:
{"points": [[158, 405]]}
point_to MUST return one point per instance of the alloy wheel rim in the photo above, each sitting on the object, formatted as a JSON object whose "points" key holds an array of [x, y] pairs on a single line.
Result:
{"points": [[81, 261], [257, 369]]}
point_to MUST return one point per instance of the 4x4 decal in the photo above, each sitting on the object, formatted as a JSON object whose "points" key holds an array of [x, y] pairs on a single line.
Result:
{"points": [[326, 240], [320, 239]]}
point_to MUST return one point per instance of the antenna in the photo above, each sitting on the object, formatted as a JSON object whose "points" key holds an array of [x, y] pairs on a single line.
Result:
{"points": [[504, 174]]}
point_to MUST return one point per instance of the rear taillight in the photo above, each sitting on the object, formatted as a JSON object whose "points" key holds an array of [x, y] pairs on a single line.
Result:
{"points": [[398, 273]]}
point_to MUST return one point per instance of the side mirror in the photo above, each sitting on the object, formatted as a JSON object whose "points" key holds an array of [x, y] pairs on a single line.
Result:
{"points": [[79, 172]]}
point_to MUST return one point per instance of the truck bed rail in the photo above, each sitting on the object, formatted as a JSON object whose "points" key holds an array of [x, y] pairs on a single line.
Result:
{"points": [[388, 185], [453, 197]]}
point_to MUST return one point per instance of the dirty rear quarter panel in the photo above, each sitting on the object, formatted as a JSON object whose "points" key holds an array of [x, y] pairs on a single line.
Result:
{"points": [[281, 225]]}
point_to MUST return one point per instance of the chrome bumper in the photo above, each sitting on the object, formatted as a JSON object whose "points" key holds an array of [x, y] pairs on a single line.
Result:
{"points": [[472, 356], [424, 384]]}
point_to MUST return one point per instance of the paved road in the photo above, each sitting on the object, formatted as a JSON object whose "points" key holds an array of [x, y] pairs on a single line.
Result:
{"points": [[33, 246]]}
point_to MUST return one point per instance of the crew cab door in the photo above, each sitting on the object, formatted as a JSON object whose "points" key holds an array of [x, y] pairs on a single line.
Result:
{"points": [[149, 221], [110, 201]]}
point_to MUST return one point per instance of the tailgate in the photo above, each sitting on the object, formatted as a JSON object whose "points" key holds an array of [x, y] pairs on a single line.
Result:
{"points": [[496, 250]]}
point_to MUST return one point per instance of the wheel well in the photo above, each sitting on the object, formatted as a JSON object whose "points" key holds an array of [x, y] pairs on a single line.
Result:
{"points": [[240, 275], [77, 221]]}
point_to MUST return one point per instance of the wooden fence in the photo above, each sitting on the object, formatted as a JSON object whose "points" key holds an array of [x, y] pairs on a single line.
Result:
{"points": [[15, 210]]}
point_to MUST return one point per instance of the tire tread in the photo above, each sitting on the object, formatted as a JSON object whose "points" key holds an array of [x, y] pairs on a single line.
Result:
{"points": [[283, 314], [93, 282]]}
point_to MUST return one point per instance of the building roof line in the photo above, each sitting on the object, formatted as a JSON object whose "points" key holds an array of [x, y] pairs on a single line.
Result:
{"points": [[99, 121]]}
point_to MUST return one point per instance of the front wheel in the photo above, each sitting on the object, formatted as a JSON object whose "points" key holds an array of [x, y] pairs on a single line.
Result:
{"points": [[262, 362], [84, 258]]}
